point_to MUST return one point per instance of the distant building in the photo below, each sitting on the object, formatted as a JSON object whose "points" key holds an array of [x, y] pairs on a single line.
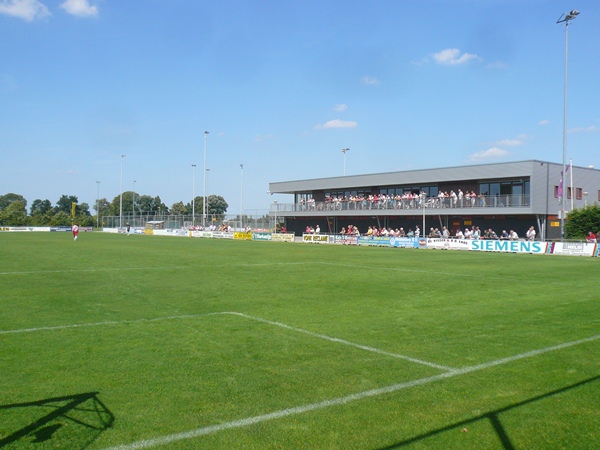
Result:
{"points": [[503, 196]]}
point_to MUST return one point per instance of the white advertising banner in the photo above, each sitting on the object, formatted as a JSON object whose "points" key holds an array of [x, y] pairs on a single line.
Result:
{"points": [[573, 249]]}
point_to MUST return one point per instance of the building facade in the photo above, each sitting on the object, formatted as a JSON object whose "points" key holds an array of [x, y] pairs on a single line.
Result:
{"points": [[503, 196]]}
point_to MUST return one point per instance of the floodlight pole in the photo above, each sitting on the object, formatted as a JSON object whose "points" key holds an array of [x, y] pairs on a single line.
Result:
{"points": [[423, 197], [193, 195], [204, 201], [344, 150], [242, 195], [565, 18], [98, 205], [121, 196], [133, 204]]}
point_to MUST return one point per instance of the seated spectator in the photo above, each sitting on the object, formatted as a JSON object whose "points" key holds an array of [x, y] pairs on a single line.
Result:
{"points": [[513, 236], [504, 236], [591, 238]]}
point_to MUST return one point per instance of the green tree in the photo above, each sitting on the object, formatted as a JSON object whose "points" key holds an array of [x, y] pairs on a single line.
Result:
{"points": [[178, 209], [14, 214], [7, 199], [102, 207], [580, 221], [216, 205], [40, 207], [143, 204], [61, 218], [64, 204]]}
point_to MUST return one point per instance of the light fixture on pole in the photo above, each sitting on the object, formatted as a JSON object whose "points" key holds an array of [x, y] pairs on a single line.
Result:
{"points": [[344, 150], [193, 195], [121, 196], [98, 205], [204, 201], [565, 18]]}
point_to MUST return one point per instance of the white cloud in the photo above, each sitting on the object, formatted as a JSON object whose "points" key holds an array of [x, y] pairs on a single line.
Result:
{"points": [[492, 153], [497, 65], [509, 142], [341, 107], [370, 80], [28, 10], [337, 123], [452, 56], [544, 122], [264, 137], [80, 8], [590, 129]]}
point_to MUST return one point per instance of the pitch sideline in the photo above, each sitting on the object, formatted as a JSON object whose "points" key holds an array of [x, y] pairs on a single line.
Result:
{"points": [[163, 440]]}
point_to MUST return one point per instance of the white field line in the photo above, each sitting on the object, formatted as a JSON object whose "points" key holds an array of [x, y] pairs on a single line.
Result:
{"points": [[110, 322], [123, 269], [342, 341], [105, 269], [163, 440], [257, 319]]}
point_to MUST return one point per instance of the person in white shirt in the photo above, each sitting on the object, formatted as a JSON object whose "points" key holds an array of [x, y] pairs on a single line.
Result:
{"points": [[530, 234]]}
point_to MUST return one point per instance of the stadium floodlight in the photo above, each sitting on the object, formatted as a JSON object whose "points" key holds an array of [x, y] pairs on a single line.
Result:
{"points": [[565, 18], [344, 150]]}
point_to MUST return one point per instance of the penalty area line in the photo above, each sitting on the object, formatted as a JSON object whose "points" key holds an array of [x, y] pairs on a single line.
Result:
{"points": [[168, 439], [343, 341]]}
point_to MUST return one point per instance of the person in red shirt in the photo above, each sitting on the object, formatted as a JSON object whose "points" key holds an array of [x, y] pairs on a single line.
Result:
{"points": [[591, 238]]}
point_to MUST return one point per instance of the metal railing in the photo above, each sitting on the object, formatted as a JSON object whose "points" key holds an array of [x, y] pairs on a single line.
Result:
{"points": [[407, 203]]}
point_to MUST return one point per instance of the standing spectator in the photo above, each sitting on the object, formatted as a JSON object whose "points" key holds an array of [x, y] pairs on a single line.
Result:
{"points": [[530, 234], [513, 236], [591, 238]]}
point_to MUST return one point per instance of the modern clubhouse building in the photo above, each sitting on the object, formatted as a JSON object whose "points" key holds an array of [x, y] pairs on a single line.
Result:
{"points": [[503, 196]]}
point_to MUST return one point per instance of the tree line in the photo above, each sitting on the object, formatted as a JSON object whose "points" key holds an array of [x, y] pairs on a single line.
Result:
{"points": [[13, 209]]}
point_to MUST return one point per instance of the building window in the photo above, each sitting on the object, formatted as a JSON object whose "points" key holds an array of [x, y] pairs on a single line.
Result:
{"points": [[579, 193], [569, 193], [555, 191]]}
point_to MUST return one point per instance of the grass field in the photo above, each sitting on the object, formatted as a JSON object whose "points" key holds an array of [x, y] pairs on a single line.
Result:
{"points": [[178, 343]]}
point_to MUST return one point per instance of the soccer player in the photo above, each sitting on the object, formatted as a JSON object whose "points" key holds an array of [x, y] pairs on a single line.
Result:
{"points": [[75, 230]]}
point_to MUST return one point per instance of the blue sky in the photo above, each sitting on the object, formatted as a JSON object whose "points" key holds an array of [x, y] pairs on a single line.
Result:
{"points": [[282, 86]]}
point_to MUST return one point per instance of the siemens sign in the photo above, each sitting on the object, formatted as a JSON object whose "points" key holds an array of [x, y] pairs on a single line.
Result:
{"points": [[509, 246]]}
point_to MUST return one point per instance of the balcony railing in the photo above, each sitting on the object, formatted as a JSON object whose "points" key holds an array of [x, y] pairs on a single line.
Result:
{"points": [[403, 204]]}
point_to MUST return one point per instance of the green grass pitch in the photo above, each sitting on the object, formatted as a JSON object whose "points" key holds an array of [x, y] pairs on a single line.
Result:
{"points": [[124, 342]]}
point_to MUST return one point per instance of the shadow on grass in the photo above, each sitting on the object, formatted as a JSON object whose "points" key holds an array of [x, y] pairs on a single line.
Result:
{"points": [[492, 416], [72, 421]]}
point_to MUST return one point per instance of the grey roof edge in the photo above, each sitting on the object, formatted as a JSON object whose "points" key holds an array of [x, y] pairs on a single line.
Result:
{"points": [[356, 178]]}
